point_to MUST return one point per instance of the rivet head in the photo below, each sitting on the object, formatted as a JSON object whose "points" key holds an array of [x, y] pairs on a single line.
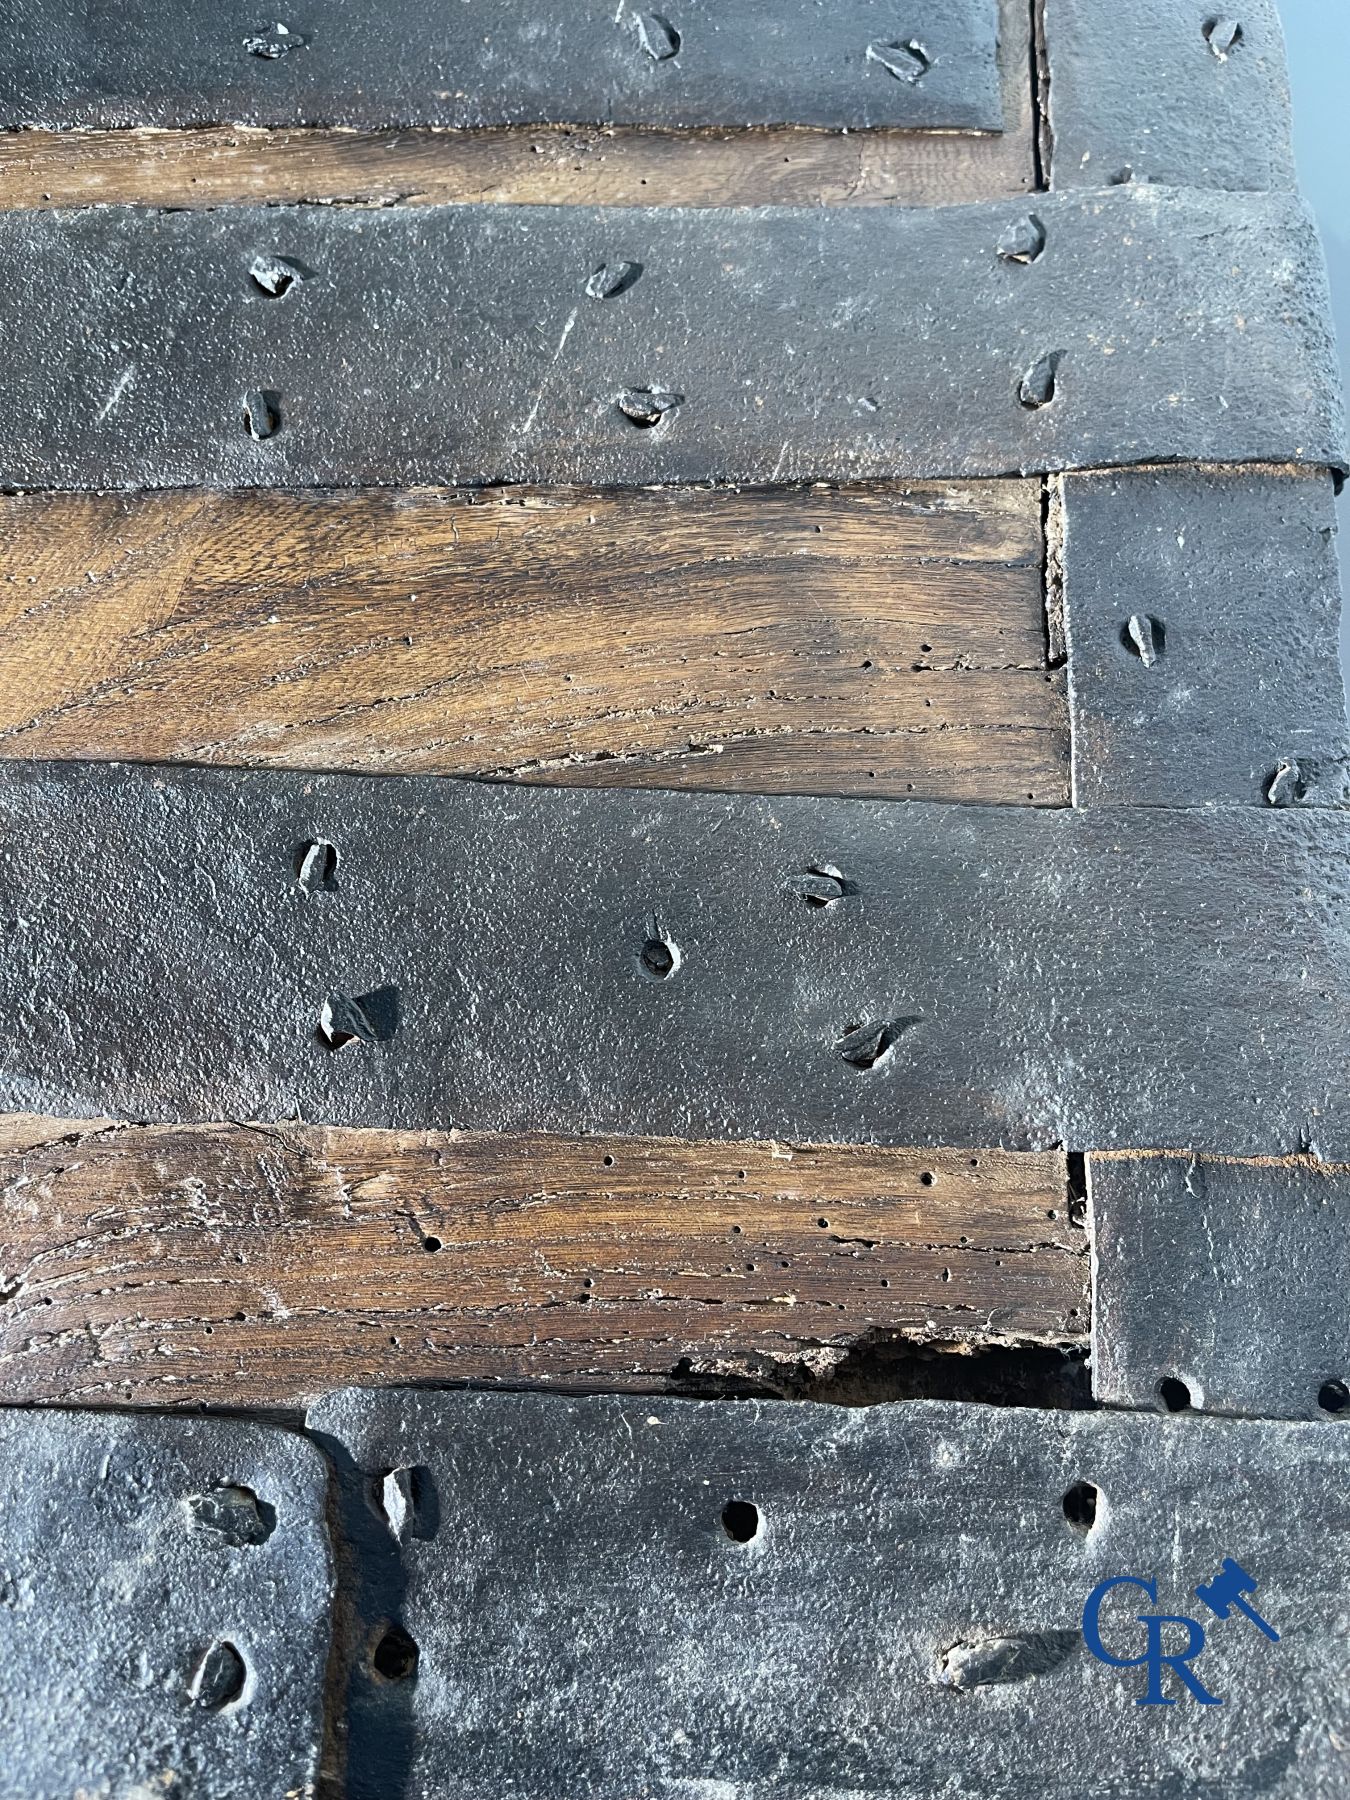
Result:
{"points": [[871, 1045], [821, 885], [907, 61], [1037, 387], [1023, 242], [275, 275], [1287, 785], [657, 37], [262, 414], [612, 279], [274, 42], [1223, 36], [1145, 637], [646, 408]]}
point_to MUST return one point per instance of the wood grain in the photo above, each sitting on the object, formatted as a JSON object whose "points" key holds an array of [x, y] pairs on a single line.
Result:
{"points": [[877, 640], [242, 1265], [629, 167]]}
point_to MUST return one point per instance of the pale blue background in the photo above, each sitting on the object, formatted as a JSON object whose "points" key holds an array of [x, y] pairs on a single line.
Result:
{"points": [[1318, 35]]}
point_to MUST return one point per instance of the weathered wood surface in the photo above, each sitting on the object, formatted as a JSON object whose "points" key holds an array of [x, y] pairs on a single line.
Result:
{"points": [[1228, 1278], [1167, 91], [850, 65], [165, 1590], [871, 641], [250, 1266], [201, 944], [1203, 615], [592, 166], [767, 1600], [631, 347]]}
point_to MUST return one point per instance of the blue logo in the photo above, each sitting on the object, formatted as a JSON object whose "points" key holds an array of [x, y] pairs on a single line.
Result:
{"points": [[1163, 1646]]}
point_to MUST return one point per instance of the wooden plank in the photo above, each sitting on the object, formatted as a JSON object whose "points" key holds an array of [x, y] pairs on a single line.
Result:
{"points": [[634, 347], [880, 640], [174, 1578], [849, 66], [612, 166], [1203, 614], [1221, 1285], [763, 1600], [238, 1265], [187, 945]]}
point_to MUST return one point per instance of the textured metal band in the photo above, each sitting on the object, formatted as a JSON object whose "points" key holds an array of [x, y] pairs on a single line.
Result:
{"points": [[297, 346], [405, 951], [164, 1607], [1203, 611], [1179, 92], [1227, 1277], [618, 1597], [849, 65]]}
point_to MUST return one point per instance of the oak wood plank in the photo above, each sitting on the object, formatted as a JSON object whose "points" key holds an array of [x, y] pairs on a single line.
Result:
{"points": [[247, 1265], [878, 640]]}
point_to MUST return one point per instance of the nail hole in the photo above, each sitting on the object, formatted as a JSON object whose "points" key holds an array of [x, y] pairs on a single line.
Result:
{"points": [[395, 1655], [233, 1514], [1038, 385], [431, 1245], [1174, 1394], [927, 1178], [740, 1520], [608, 1161], [870, 1046], [1023, 242], [1144, 636], [1333, 1397], [612, 279], [658, 37], [908, 61], [368, 1019], [646, 408], [220, 1677], [659, 957], [276, 275], [1080, 1506], [1223, 36], [262, 414], [316, 867]]}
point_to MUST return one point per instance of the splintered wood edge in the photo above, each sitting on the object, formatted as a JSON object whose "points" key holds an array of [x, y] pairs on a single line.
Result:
{"points": [[260, 1265], [552, 165], [883, 641]]}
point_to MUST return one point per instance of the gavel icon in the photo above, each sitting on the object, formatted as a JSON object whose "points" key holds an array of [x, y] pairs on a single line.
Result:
{"points": [[1225, 1592]]}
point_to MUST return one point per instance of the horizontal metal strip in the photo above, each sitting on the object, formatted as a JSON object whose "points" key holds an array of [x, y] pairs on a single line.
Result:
{"points": [[763, 1600], [1200, 98], [193, 944], [164, 1607], [875, 641], [849, 65], [310, 1258], [1222, 1285], [267, 347], [1203, 614]]}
